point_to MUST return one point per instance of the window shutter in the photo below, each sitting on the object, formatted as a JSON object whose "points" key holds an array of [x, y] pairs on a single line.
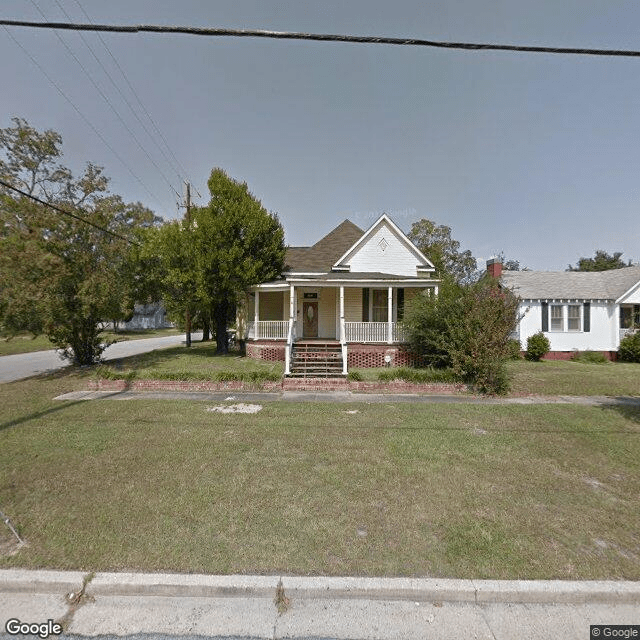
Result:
{"points": [[365, 305], [586, 322], [400, 296], [545, 316]]}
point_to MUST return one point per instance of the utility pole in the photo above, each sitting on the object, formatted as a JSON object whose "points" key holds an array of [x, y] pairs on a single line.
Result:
{"points": [[187, 318]]}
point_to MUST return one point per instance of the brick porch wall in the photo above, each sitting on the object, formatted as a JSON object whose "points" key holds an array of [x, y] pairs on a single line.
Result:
{"points": [[266, 350], [360, 355], [366, 356]]}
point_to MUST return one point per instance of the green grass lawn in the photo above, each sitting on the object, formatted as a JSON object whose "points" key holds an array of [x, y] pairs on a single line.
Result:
{"points": [[25, 343], [555, 377], [199, 362], [340, 489]]}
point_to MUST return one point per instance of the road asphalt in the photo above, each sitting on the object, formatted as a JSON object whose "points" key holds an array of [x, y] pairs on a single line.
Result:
{"points": [[24, 365], [318, 607]]}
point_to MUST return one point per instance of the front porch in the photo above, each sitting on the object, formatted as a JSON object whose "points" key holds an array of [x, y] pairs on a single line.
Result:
{"points": [[364, 322]]}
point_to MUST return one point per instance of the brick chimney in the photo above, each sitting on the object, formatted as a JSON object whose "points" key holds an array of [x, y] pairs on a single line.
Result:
{"points": [[494, 267]]}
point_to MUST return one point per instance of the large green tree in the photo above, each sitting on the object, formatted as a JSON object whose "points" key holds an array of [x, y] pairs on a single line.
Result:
{"points": [[601, 261], [238, 244], [436, 243], [60, 275]]}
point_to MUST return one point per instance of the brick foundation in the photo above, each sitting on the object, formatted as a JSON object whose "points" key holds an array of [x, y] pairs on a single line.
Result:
{"points": [[365, 356], [266, 350], [288, 384], [177, 385], [567, 355]]}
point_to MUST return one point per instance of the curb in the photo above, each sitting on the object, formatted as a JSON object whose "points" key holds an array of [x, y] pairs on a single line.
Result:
{"points": [[414, 589], [28, 581]]}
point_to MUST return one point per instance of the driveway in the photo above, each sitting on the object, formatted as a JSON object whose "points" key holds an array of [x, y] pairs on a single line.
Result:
{"points": [[24, 365]]}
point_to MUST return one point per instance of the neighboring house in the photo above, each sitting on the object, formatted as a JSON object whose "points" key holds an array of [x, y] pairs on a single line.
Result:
{"points": [[343, 297], [147, 316], [576, 310]]}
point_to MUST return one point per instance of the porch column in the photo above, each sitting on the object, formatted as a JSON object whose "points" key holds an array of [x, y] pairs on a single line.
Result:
{"points": [[292, 305], [342, 336], [616, 322], [256, 314], [390, 315]]}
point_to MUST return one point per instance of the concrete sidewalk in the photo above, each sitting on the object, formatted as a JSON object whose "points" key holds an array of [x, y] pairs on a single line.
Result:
{"points": [[380, 608], [346, 396]]}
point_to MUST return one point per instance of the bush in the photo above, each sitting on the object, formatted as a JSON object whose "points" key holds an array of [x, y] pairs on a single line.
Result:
{"points": [[589, 357], [467, 329], [629, 350], [354, 376], [538, 345], [514, 351]]}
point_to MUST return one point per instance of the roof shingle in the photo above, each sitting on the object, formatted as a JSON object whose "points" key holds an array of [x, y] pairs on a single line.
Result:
{"points": [[576, 285], [323, 254]]}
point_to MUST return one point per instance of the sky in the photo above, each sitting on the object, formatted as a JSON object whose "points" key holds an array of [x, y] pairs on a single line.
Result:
{"points": [[536, 156]]}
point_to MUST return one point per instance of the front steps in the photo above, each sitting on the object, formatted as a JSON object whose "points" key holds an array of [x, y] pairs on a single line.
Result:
{"points": [[316, 359]]}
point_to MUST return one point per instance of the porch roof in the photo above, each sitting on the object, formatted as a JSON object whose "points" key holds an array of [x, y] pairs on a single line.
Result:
{"points": [[348, 279]]}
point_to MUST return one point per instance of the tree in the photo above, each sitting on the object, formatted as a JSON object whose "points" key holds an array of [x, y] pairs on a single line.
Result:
{"points": [[436, 243], [466, 328], [59, 275], [238, 244], [602, 261], [169, 258]]}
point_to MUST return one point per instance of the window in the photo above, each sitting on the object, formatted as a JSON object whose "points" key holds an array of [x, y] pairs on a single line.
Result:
{"points": [[379, 306], [557, 317], [567, 317], [573, 317]]}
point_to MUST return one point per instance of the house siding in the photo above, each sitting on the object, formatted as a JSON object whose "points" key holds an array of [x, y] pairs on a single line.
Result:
{"points": [[603, 335], [353, 305], [396, 258]]}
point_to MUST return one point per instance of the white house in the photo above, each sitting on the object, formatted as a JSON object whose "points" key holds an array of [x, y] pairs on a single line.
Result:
{"points": [[576, 310], [339, 302]]}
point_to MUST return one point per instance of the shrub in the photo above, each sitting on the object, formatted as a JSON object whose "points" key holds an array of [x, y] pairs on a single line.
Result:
{"points": [[589, 357], [514, 351], [537, 346], [629, 350], [354, 376], [466, 328]]}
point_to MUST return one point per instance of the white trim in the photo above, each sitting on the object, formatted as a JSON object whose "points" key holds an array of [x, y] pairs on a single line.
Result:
{"points": [[399, 233], [620, 300]]}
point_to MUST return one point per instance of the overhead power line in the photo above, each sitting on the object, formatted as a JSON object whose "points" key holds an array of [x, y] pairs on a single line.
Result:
{"points": [[174, 168], [82, 115], [96, 86], [319, 37], [67, 213]]}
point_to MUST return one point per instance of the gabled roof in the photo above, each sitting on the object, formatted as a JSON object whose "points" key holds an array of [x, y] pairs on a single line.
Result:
{"points": [[574, 285], [323, 254], [421, 259]]}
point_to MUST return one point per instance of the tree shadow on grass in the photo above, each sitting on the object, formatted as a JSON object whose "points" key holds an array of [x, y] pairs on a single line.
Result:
{"points": [[628, 408], [38, 414], [160, 356]]}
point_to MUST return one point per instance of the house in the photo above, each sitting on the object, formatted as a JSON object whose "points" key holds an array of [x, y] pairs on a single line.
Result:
{"points": [[147, 316], [576, 310], [339, 303]]}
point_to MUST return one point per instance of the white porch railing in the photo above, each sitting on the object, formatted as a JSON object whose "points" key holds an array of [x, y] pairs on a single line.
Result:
{"points": [[268, 330], [373, 332], [627, 332]]}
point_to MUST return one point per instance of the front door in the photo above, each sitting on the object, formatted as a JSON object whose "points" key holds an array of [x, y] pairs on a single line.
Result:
{"points": [[310, 320]]}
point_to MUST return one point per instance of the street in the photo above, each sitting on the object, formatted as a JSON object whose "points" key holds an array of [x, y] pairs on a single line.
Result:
{"points": [[24, 365]]}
